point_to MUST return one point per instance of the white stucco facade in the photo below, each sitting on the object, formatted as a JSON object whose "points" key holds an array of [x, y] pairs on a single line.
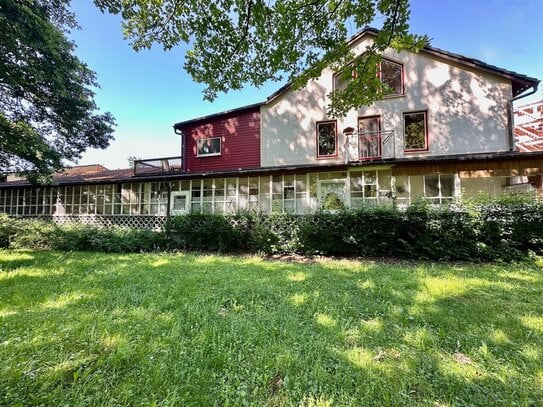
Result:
{"points": [[466, 110]]}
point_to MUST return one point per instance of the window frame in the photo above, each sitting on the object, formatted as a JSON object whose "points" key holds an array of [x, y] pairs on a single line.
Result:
{"points": [[426, 137], [344, 199], [392, 95], [379, 70], [199, 140], [336, 147], [443, 199], [378, 134], [336, 75]]}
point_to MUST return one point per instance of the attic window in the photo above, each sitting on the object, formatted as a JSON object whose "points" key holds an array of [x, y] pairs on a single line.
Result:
{"points": [[390, 74], [208, 146], [341, 83]]}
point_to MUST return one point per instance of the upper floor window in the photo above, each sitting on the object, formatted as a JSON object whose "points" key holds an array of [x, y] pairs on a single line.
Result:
{"points": [[208, 146], [340, 82], [415, 131], [390, 74], [326, 139]]}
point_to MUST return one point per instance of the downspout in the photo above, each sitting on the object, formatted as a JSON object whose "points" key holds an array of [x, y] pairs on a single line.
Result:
{"points": [[169, 186], [511, 114], [183, 162]]}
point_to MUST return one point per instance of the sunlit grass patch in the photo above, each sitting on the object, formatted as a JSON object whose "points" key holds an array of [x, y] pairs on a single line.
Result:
{"points": [[190, 329], [372, 325], [539, 379], [297, 277], [533, 322], [65, 299], [325, 320], [298, 299]]}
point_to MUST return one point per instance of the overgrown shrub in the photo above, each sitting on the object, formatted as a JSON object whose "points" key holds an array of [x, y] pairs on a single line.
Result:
{"points": [[274, 233], [8, 229], [111, 239], [204, 232], [40, 235], [500, 229]]}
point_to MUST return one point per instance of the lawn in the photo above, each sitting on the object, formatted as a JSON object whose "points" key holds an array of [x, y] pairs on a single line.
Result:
{"points": [[178, 329]]}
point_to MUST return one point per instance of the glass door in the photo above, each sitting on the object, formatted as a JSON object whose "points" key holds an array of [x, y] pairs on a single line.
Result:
{"points": [[179, 203]]}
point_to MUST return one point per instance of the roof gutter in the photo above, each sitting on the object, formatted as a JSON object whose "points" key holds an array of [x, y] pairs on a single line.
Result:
{"points": [[534, 90], [511, 114]]}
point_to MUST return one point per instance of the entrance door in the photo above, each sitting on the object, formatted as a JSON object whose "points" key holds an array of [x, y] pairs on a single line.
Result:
{"points": [[179, 203]]}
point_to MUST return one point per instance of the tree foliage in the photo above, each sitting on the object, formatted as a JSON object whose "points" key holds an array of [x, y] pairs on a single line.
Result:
{"points": [[239, 42], [47, 108]]}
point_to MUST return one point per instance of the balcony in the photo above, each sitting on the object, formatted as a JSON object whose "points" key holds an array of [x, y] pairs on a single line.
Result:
{"points": [[158, 166], [370, 145]]}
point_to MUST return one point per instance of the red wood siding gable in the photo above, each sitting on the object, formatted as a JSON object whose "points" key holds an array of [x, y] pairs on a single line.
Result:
{"points": [[239, 133]]}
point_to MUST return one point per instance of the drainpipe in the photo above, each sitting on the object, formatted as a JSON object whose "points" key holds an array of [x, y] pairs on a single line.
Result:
{"points": [[169, 187], [512, 117], [180, 133]]}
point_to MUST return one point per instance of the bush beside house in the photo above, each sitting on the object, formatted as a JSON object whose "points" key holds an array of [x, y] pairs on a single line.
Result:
{"points": [[504, 229]]}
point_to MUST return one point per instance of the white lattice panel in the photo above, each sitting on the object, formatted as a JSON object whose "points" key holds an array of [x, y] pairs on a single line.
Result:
{"points": [[138, 222]]}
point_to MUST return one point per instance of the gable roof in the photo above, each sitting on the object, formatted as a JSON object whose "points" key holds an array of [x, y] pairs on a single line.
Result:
{"points": [[520, 82], [210, 116]]}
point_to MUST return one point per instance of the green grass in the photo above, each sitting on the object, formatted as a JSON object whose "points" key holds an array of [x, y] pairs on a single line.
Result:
{"points": [[165, 329]]}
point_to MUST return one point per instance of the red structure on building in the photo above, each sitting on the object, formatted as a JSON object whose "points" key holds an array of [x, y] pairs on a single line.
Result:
{"points": [[529, 127]]}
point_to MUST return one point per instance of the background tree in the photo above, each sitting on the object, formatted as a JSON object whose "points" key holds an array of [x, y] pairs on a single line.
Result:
{"points": [[240, 42], [47, 108], [132, 160]]}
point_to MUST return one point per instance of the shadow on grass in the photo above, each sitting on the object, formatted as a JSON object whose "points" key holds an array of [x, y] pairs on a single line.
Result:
{"points": [[211, 330]]}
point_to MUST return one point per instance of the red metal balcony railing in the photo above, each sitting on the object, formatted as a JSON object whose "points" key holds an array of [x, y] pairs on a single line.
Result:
{"points": [[158, 166]]}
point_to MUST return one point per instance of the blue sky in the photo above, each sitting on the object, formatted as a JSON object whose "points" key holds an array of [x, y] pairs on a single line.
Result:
{"points": [[148, 91]]}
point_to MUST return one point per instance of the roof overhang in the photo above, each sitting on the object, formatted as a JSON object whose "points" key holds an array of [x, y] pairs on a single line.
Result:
{"points": [[178, 125], [520, 83], [122, 176]]}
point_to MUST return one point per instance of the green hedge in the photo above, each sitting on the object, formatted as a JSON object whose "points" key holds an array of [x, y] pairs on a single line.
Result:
{"points": [[505, 229], [42, 235]]}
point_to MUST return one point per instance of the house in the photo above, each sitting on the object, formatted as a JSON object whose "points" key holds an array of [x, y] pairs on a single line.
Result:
{"points": [[444, 130], [529, 127]]}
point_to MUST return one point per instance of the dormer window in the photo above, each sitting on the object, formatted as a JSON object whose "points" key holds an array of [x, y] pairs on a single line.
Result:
{"points": [[206, 147]]}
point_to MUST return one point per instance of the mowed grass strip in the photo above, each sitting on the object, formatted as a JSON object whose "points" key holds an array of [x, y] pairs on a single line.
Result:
{"points": [[180, 329]]}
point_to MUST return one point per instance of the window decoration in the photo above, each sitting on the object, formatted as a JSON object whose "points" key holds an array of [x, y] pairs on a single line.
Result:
{"points": [[415, 131], [208, 146], [326, 139]]}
